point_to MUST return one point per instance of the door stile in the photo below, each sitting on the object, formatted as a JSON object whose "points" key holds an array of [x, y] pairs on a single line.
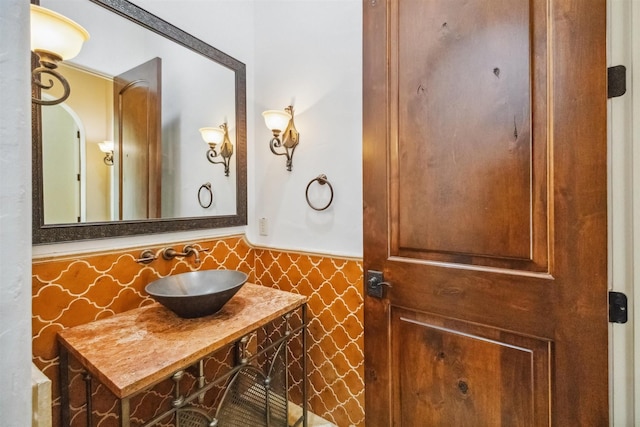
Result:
{"points": [[378, 401]]}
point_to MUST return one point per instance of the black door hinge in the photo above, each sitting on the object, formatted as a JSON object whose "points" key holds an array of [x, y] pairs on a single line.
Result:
{"points": [[618, 307], [616, 81]]}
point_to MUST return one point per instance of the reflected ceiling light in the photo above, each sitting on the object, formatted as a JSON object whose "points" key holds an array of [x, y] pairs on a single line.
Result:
{"points": [[218, 137], [107, 147], [54, 38], [276, 121]]}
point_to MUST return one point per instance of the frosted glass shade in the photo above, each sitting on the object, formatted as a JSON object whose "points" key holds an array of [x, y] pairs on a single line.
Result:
{"points": [[55, 33], [106, 146], [212, 135], [276, 119]]}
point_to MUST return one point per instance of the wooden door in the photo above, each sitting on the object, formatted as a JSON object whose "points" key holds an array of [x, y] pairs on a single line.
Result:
{"points": [[485, 209], [137, 104]]}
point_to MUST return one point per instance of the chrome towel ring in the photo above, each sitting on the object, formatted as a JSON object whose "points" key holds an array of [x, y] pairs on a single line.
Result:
{"points": [[322, 180], [206, 186]]}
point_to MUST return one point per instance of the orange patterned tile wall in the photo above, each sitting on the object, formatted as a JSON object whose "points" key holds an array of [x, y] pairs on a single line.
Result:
{"points": [[335, 346], [69, 291]]}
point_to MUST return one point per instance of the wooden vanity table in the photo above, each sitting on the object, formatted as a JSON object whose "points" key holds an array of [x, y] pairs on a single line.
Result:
{"points": [[133, 351]]}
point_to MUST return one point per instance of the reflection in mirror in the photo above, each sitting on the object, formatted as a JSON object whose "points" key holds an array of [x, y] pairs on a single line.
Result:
{"points": [[149, 94], [61, 146], [70, 161]]}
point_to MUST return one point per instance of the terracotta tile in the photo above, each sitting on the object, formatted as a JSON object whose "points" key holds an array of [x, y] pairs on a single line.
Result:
{"points": [[354, 352], [341, 391], [78, 277], [44, 344], [294, 274], [275, 272], [128, 299], [161, 267], [340, 338], [103, 401], [327, 267], [340, 363], [219, 251], [304, 264], [353, 271], [103, 291], [50, 270], [304, 287], [123, 266], [37, 284], [50, 302], [111, 282], [353, 379], [324, 323], [80, 311], [353, 299], [315, 277], [106, 261], [316, 357], [284, 262]]}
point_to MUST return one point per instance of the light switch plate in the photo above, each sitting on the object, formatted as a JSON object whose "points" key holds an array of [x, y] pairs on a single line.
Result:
{"points": [[263, 226]]}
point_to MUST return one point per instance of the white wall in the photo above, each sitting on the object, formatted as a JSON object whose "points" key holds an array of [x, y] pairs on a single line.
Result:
{"points": [[228, 26], [309, 54], [306, 53], [15, 216]]}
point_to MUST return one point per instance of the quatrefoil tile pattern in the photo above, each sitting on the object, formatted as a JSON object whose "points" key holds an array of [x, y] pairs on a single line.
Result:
{"points": [[70, 291], [73, 290], [335, 345]]}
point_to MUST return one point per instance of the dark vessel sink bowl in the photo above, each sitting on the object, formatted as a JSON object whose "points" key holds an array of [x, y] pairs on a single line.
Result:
{"points": [[197, 293]]}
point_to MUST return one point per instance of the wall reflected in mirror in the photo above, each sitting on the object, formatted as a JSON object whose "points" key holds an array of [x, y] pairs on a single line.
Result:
{"points": [[150, 96]]}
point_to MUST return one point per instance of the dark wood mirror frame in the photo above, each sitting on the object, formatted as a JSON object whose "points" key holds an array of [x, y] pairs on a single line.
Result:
{"points": [[53, 233]]}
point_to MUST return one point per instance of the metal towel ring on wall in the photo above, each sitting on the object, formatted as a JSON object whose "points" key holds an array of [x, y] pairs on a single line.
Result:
{"points": [[322, 180], [205, 186]]}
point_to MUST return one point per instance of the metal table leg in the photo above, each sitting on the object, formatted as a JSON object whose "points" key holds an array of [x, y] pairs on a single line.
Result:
{"points": [[65, 412], [304, 364], [89, 398], [124, 412]]}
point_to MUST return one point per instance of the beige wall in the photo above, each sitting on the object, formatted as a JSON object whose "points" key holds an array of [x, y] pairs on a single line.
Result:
{"points": [[92, 99]]}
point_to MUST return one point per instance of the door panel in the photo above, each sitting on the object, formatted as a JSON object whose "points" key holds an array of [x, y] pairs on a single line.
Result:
{"points": [[452, 376], [485, 209], [464, 82]]}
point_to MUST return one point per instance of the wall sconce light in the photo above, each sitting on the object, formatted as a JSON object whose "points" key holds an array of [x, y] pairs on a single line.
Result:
{"points": [[54, 38], [213, 137], [276, 121], [107, 148]]}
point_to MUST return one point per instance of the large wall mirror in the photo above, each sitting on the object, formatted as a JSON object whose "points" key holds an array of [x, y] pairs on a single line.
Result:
{"points": [[123, 155]]}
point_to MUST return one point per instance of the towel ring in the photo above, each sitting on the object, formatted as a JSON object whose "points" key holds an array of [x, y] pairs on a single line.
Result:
{"points": [[205, 186], [322, 180]]}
